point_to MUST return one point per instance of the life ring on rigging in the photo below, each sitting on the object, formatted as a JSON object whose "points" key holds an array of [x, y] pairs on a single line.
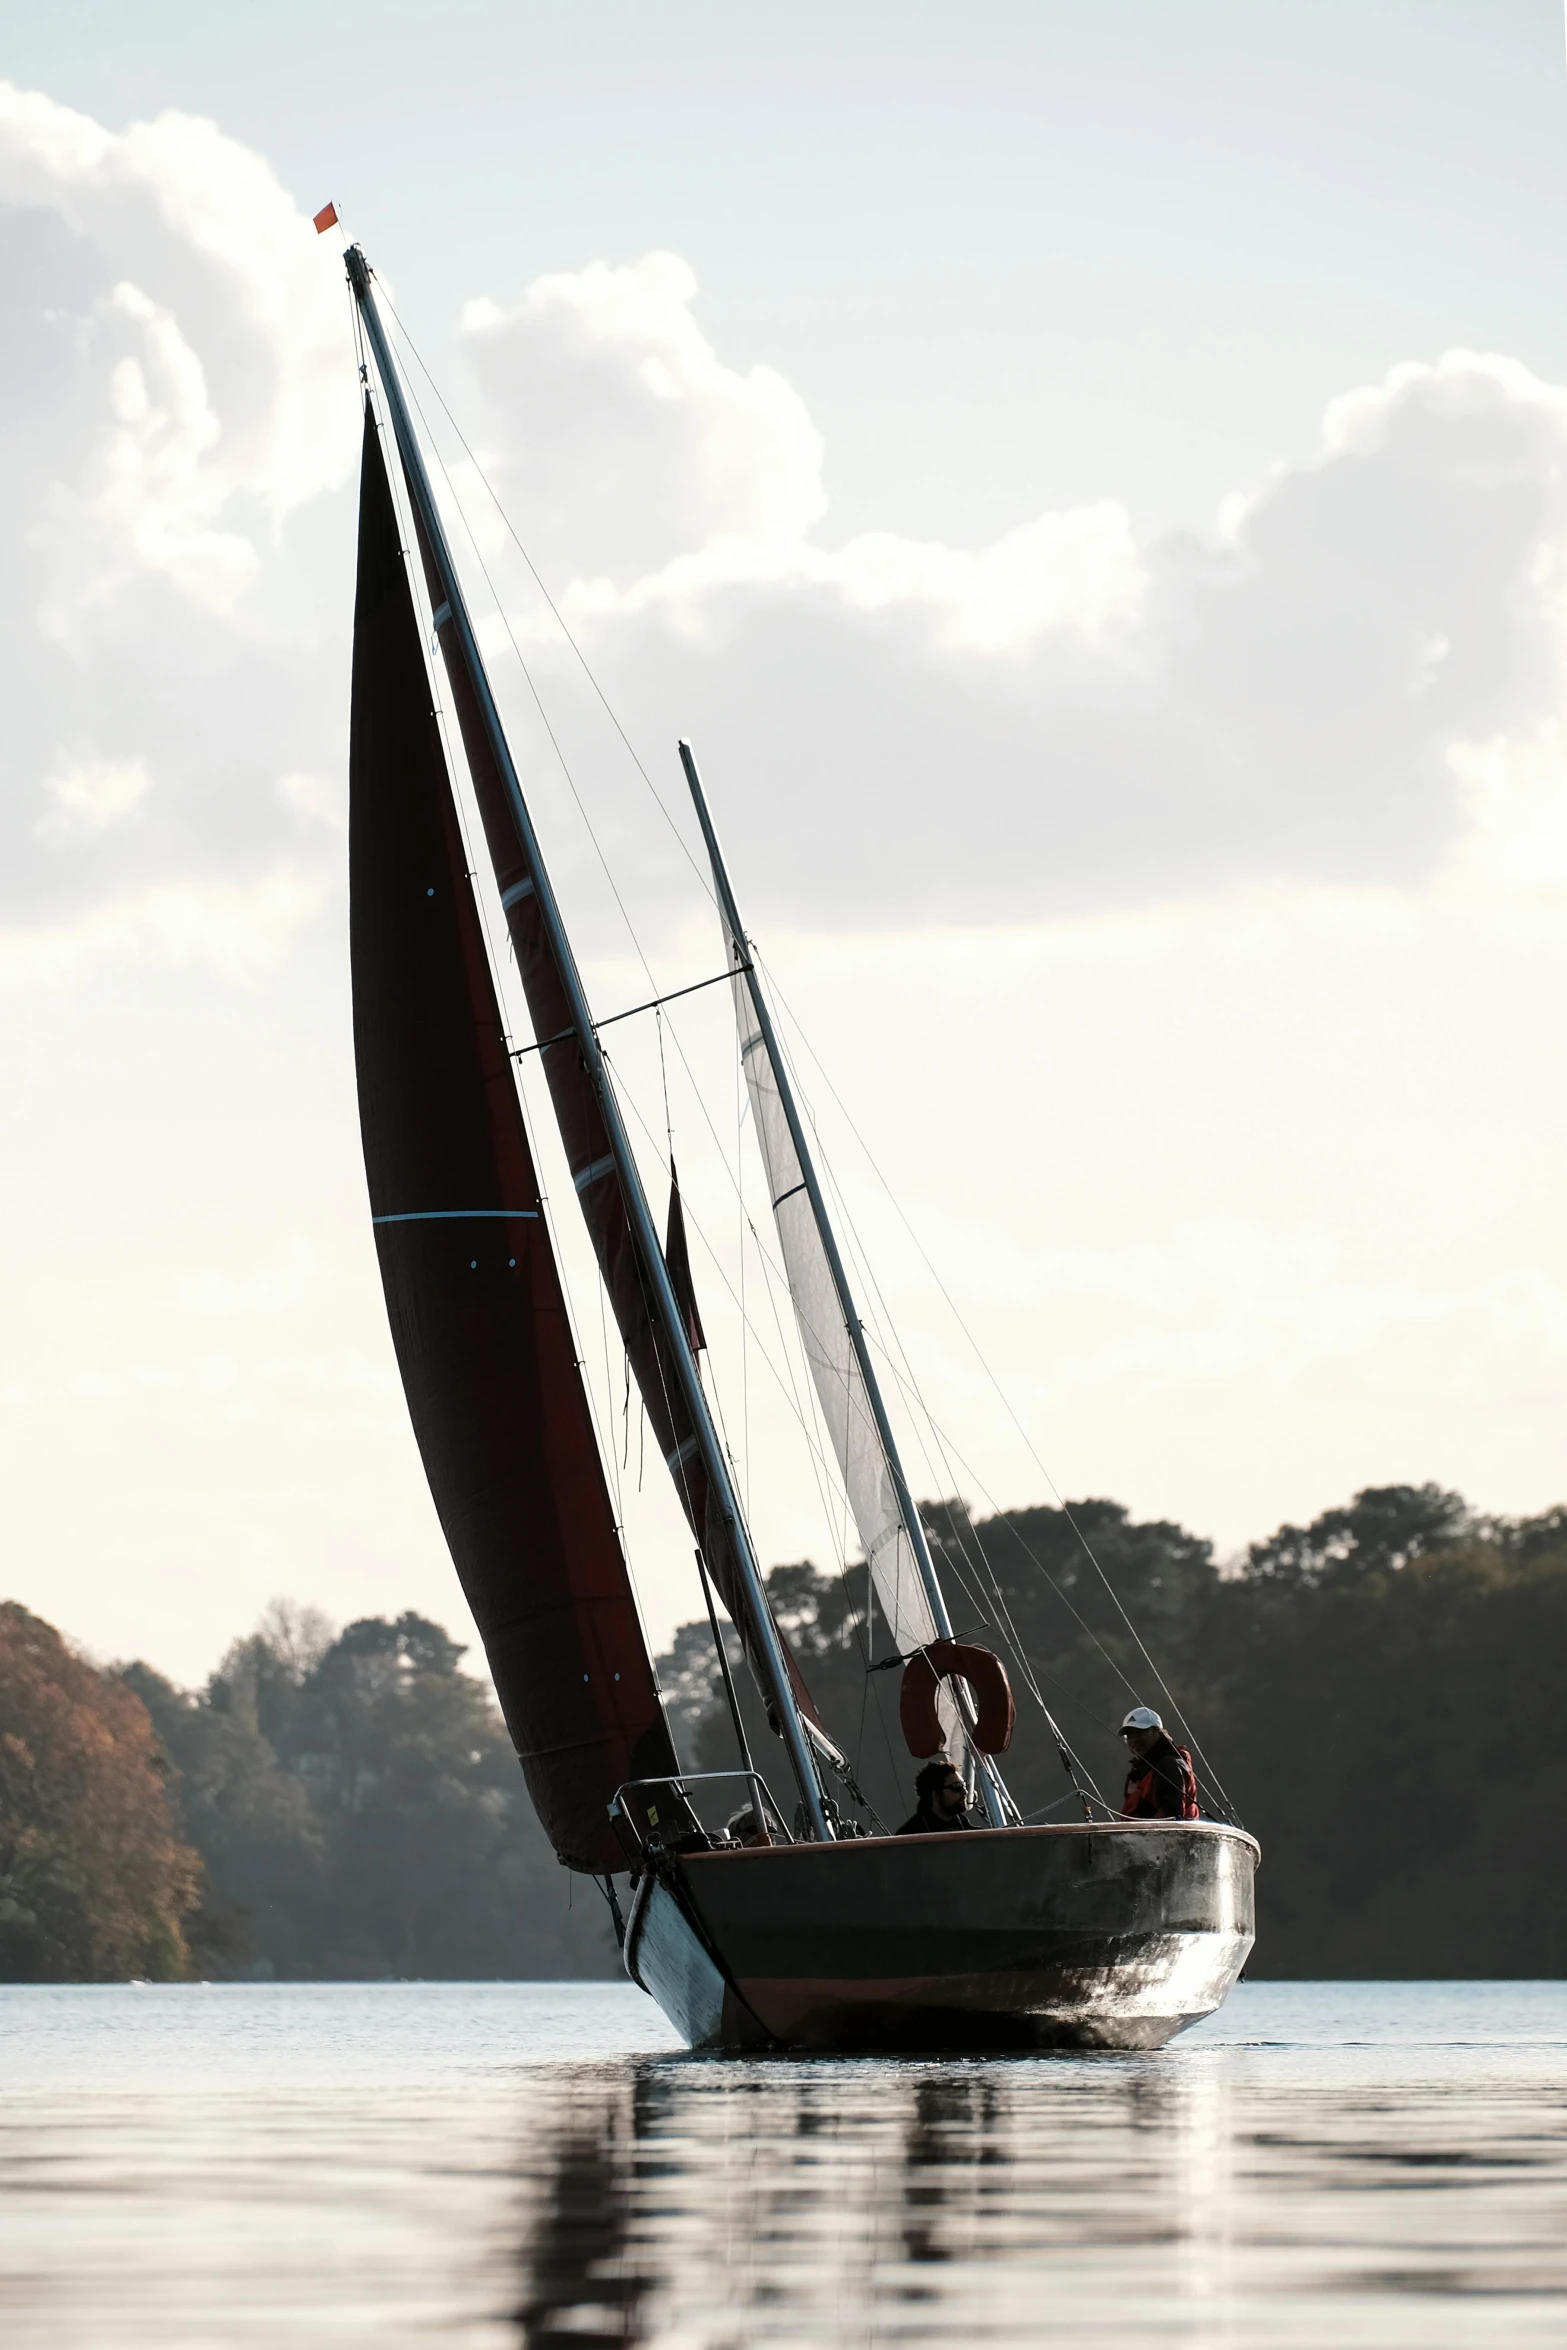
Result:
{"points": [[986, 1676]]}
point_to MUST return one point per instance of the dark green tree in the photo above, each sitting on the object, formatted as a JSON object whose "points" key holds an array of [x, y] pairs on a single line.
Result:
{"points": [[362, 1813], [1376, 1692]]}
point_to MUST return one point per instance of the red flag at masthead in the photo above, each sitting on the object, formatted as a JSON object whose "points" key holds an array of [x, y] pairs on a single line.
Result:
{"points": [[326, 218]]}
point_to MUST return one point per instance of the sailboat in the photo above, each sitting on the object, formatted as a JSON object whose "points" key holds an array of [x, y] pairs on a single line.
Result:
{"points": [[812, 1934]]}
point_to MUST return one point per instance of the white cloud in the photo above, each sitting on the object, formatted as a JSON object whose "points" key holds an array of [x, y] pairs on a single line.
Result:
{"points": [[315, 799], [148, 498], [1080, 570], [1515, 800], [625, 439], [178, 388], [1064, 717], [89, 795], [1248, 1094], [278, 1284], [200, 224], [234, 930]]}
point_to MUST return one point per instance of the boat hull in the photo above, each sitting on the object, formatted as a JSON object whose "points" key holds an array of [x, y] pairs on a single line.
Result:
{"points": [[1102, 1935]]}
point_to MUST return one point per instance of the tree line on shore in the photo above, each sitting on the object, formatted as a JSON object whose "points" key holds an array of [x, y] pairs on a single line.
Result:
{"points": [[1373, 1694], [339, 1806]]}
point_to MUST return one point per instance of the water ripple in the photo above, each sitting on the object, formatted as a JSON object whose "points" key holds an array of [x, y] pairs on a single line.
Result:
{"points": [[1379, 2167]]}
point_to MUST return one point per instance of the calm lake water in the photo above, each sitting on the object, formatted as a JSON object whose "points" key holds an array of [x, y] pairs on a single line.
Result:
{"points": [[534, 2164]]}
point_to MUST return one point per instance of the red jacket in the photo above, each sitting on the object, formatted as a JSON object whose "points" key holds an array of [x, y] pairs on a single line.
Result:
{"points": [[1161, 1785]]}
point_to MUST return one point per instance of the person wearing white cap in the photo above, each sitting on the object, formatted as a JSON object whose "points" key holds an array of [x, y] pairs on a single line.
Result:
{"points": [[1160, 1781]]}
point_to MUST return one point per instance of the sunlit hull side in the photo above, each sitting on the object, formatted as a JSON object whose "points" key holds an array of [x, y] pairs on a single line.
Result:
{"points": [[1085, 1936]]}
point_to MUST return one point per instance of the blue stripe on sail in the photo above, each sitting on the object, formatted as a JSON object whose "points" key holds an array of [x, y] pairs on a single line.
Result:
{"points": [[454, 1215]]}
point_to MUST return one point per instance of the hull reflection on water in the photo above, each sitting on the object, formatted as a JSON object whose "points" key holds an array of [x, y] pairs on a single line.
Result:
{"points": [[995, 2202], [507, 2167]]}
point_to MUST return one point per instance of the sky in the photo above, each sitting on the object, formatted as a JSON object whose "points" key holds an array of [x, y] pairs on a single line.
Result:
{"points": [[1091, 482]]}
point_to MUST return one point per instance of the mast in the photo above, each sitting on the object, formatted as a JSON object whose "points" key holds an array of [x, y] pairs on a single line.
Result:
{"points": [[998, 1807], [664, 1299]]}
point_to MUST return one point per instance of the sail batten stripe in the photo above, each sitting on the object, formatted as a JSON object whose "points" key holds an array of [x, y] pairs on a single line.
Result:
{"points": [[457, 1215], [519, 889], [605, 1166]]}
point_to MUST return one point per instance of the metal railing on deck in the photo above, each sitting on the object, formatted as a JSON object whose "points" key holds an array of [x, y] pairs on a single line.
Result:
{"points": [[650, 1827]]}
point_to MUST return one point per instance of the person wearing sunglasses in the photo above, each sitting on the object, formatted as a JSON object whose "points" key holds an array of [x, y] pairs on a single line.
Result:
{"points": [[940, 1801]]}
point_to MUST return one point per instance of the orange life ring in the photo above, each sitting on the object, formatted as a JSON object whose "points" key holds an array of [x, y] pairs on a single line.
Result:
{"points": [[986, 1676]]}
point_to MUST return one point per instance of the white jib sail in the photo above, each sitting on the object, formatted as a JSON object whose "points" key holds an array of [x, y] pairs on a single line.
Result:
{"points": [[907, 1620]]}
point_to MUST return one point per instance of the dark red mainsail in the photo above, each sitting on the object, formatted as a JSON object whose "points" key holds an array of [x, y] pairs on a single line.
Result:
{"points": [[589, 1153], [472, 1288]]}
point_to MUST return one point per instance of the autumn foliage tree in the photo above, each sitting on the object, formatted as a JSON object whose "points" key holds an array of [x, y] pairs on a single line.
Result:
{"points": [[94, 1884]]}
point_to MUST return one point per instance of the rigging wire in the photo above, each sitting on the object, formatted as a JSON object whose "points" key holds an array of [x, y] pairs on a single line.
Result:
{"points": [[538, 701], [862, 1632], [1065, 1508], [978, 1565], [420, 597], [786, 1385], [779, 1279], [587, 670], [1004, 1520], [809, 1428], [704, 880], [587, 821]]}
